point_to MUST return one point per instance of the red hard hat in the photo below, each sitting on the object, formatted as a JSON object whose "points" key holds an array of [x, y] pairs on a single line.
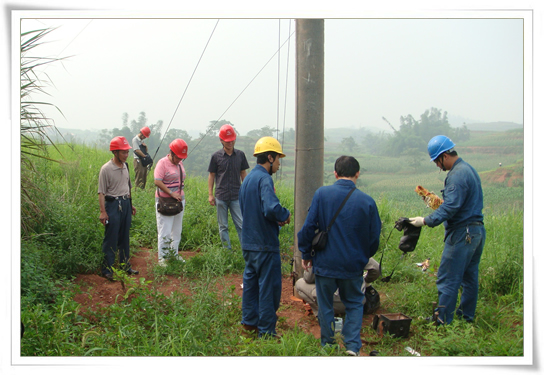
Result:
{"points": [[179, 147], [119, 143], [227, 133], [145, 131]]}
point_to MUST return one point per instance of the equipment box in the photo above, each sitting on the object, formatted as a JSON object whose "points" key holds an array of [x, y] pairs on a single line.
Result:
{"points": [[397, 325]]}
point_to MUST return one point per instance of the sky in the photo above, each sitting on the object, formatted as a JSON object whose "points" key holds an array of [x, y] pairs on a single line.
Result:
{"points": [[190, 72]]}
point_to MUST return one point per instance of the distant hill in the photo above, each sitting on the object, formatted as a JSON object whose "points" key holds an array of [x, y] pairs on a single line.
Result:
{"points": [[336, 135], [498, 126], [87, 137]]}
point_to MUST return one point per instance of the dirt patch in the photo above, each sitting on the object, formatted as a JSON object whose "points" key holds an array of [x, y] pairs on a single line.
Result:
{"points": [[508, 176], [98, 292]]}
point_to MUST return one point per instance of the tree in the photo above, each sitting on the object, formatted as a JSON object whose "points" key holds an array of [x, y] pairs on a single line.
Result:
{"points": [[461, 134], [414, 134], [135, 126], [125, 119], [265, 131], [349, 143], [288, 135]]}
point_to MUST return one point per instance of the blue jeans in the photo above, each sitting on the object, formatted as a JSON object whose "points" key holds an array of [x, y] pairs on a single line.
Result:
{"points": [[262, 290], [223, 219], [352, 297], [116, 234], [459, 268]]}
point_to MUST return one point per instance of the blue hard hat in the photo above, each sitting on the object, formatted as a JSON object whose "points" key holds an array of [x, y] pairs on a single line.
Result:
{"points": [[439, 144]]}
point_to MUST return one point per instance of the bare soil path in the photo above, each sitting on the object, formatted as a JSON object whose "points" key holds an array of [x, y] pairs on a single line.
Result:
{"points": [[96, 291]]}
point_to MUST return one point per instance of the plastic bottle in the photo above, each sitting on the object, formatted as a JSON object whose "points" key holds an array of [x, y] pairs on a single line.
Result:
{"points": [[338, 323]]}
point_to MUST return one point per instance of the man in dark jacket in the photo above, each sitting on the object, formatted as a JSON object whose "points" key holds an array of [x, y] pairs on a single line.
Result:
{"points": [[465, 233], [263, 216], [352, 240]]}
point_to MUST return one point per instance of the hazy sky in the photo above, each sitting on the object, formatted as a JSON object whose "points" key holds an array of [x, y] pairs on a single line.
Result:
{"points": [[374, 68]]}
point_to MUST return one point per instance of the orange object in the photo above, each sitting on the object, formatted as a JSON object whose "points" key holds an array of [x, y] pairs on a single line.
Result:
{"points": [[431, 199]]}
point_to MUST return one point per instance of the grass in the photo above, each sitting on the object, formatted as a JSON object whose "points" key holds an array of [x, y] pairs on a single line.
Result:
{"points": [[147, 323]]}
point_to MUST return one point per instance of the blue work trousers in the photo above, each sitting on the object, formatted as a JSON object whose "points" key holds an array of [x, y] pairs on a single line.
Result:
{"points": [[262, 290], [223, 208], [352, 297], [459, 268], [116, 234]]}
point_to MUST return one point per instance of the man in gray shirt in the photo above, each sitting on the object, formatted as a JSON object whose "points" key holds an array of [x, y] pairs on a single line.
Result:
{"points": [[227, 171], [116, 208]]}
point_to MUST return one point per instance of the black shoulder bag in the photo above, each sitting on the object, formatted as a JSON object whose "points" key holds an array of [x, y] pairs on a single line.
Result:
{"points": [[320, 239], [169, 206], [146, 160]]}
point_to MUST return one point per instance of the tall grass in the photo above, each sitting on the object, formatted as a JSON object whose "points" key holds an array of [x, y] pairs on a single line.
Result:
{"points": [[206, 323]]}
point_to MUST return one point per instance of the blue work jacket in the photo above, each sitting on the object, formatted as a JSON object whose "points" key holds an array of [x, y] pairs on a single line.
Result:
{"points": [[261, 210], [463, 199], [353, 238]]}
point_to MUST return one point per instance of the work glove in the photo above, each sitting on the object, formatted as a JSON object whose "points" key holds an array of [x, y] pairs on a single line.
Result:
{"points": [[408, 242], [417, 221]]}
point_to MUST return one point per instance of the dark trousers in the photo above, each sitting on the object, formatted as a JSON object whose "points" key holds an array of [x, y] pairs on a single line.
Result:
{"points": [[262, 290], [116, 234]]}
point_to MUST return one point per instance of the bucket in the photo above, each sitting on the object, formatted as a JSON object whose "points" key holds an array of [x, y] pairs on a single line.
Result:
{"points": [[397, 325]]}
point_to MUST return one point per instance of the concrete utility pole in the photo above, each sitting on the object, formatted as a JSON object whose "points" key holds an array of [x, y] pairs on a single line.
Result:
{"points": [[310, 134]]}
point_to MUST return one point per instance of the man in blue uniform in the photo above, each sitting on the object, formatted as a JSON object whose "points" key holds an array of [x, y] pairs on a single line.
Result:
{"points": [[465, 234], [263, 216], [353, 238]]}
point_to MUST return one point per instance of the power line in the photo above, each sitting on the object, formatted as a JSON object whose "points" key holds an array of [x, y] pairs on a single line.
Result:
{"points": [[234, 101], [188, 83]]}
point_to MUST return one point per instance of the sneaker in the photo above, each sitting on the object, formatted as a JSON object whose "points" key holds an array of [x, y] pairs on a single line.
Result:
{"points": [[130, 271], [108, 276], [351, 353], [178, 257], [162, 262]]}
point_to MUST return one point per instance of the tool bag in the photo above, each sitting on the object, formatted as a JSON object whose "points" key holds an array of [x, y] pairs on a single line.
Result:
{"points": [[320, 239], [372, 300], [147, 159], [407, 242]]}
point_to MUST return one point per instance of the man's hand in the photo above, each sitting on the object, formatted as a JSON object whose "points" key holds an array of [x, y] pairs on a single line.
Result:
{"points": [[104, 218], [417, 221], [307, 264], [133, 210], [281, 224], [211, 200]]}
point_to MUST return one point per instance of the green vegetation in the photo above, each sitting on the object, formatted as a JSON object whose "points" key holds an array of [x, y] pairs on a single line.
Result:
{"points": [[147, 323]]}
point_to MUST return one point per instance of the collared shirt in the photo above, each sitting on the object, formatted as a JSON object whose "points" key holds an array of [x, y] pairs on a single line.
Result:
{"points": [[354, 236], [262, 212], [113, 180], [463, 198], [227, 169]]}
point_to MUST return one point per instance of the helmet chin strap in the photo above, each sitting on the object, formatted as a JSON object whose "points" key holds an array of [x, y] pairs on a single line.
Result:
{"points": [[442, 163], [270, 169]]}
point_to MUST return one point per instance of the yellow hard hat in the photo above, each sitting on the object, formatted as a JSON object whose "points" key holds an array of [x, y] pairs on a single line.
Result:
{"points": [[268, 144]]}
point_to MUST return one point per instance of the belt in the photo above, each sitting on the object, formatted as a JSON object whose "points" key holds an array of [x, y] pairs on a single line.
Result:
{"points": [[121, 197], [475, 223]]}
